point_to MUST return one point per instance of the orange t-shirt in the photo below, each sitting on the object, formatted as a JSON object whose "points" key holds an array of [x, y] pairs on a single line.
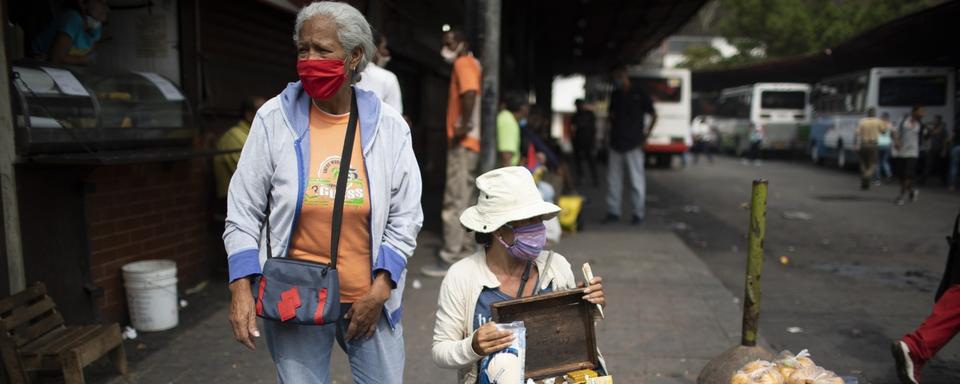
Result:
{"points": [[465, 77], [311, 238]]}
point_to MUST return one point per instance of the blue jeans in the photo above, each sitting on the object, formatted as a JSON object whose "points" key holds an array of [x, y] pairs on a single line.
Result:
{"points": [[302, 353], [954, 166], [632, 160], [883, 163]]}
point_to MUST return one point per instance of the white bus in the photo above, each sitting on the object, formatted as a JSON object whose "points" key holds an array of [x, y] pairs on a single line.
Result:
{"points": [[840, 102], [670, 91], [776, 110]]}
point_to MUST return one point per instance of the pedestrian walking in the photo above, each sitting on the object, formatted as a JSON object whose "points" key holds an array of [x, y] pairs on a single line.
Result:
{"points": [[584, 123], [884, 144], [463, 153], [954, 159], [916, 348], [293, 176], [379, 80], [629, 106], [515, 110], [704, 138], [511, 263], [868, 132], [907, 143], [935, 147], [757, 134]]}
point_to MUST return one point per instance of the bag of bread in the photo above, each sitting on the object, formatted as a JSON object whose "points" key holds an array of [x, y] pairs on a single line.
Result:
{"points": [[813, 375], [787, 362], [758, 372]]}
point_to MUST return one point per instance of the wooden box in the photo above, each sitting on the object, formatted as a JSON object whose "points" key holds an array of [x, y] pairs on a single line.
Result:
{"points": [[560, 331]]}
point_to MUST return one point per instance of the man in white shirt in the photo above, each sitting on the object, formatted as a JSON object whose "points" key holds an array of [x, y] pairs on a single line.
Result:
{"points": [[380, 81]]}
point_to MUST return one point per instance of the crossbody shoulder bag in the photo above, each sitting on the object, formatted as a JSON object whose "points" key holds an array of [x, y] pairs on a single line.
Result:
{"points": [[304, 292]]}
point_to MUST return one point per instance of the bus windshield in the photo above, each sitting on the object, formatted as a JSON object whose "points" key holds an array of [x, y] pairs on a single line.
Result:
{"points": [[661, 89], [910, 91], [783, 100]]}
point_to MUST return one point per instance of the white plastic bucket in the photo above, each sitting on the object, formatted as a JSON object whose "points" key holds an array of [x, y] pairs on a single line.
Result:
{"points": [[152, 294]]}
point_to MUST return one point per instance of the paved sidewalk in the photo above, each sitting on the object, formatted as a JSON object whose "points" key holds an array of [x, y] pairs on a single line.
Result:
{"points": [[667, 316]]}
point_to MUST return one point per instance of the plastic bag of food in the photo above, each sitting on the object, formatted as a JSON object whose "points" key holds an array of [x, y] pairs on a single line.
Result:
{"points": [[758, 372], [787, 362], [814, 375], [506, 366]]}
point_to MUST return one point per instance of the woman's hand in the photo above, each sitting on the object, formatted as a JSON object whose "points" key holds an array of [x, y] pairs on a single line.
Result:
{"points": [[594, 293], [364, 314], [489, 339], [243, 315]]}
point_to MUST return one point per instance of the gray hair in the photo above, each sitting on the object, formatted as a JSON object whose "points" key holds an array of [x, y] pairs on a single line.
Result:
{"points": [[353, 30]]}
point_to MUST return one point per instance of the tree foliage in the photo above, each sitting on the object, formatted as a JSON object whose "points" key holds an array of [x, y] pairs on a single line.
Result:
{"points": [[781, 28]]}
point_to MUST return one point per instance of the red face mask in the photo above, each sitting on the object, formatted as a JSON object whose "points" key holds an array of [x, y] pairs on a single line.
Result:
{"points": [[321, 78]]}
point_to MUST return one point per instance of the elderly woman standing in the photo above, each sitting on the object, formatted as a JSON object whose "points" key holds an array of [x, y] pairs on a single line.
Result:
{"points": [[508, 219], [288, 171]]}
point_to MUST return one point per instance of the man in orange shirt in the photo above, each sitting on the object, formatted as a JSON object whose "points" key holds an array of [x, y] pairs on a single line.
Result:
{"points": [[463, 154]]}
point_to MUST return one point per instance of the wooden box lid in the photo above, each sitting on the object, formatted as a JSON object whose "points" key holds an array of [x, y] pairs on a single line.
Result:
{"points": [[560, 331]]}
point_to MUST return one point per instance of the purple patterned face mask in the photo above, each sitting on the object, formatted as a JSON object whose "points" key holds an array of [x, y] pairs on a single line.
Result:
{"points": [[528, 241]]}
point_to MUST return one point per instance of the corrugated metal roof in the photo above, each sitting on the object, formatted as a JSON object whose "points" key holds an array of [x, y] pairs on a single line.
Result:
{"points": [[592, 36]]}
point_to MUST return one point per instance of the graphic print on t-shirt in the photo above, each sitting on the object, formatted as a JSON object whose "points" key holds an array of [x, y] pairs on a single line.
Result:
{"points": [[322, 186]]}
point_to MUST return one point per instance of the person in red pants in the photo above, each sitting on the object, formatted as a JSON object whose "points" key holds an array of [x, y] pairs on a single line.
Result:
{"points": [[917, 348]]}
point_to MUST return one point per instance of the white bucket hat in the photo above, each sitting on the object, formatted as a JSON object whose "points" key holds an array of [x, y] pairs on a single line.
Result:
{"points": [[506, 194]]}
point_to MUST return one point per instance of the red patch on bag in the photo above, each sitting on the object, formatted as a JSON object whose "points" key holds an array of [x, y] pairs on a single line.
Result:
{"points": [[288, 304], [321, 303], [263, 286]]}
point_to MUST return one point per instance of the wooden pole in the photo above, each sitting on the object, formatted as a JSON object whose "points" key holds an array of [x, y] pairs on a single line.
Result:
{"points": [[490, 60], [8, 180], [758, 226]]}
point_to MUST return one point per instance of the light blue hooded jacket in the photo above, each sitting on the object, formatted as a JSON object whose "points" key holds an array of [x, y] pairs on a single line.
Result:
{"points": [[275, 160]]}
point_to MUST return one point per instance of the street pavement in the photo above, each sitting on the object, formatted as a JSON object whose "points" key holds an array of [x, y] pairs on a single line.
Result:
{"points": [[667, 316], [859, 272]]}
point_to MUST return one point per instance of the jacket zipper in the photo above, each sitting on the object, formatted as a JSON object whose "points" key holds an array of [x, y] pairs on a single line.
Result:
{"points": [[300, 189]]}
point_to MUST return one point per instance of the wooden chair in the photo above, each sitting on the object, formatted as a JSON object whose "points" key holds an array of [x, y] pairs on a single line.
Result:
{"points": [[33, 338]]}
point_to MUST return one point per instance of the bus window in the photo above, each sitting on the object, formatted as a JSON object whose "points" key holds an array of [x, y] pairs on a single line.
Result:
{"points": [[910, 91], [743, 107], [783, 100], [661, 89]]}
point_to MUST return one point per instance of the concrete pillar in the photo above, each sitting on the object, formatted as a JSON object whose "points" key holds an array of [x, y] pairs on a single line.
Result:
{"points": [[489, 11], [8, 181]]}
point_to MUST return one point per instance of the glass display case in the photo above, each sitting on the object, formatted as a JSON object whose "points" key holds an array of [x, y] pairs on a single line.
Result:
{"points": [[70, 109]]}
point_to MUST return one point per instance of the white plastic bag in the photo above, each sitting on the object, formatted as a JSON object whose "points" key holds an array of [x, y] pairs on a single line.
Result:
{"points": [[788, 363], [506, 366], [758, 372]]}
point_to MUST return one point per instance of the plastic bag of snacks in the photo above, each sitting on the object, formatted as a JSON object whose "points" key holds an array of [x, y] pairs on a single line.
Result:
{"points": [[813, 375], [506, 366], [758, 372], [787, 362]]}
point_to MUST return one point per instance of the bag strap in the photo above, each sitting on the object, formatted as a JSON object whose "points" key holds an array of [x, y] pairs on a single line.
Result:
{"points": [[543, 274], [524, 278], [341, 187], [342, 176], [267, 223]]}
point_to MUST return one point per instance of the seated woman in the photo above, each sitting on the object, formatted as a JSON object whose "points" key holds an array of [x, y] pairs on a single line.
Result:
{"points": [[72, 36], [508, 220]]}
